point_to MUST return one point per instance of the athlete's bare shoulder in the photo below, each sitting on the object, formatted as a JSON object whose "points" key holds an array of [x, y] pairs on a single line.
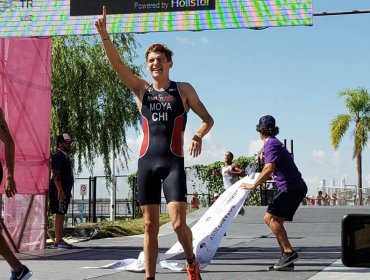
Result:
{"points": [[187, 91], [185, 88]]}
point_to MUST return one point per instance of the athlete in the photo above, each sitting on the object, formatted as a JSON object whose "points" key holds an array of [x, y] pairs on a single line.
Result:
{"points": [[163, 106]]}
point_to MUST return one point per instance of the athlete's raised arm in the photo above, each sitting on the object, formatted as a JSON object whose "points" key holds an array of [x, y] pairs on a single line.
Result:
{"points": [[135, 83]]}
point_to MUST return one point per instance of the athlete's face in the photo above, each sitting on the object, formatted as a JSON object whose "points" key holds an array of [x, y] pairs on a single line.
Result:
{"points": [[157, 64], [228, 158]]}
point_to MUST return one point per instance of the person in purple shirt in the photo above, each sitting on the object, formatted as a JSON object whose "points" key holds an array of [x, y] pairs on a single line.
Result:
{"points": [[279, 164]]}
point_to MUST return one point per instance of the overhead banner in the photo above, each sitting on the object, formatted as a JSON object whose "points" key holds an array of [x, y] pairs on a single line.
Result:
{"points": [[30, 18]]}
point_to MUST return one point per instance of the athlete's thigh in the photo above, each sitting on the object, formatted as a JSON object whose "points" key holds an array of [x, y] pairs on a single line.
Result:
{"points": [[151, 214], [174, 185], [148, 185]]}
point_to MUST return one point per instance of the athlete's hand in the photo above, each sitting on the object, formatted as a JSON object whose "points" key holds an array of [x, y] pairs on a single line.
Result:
{"points": [[195, 146], [10, 187], [247, 186], [101, 24]]}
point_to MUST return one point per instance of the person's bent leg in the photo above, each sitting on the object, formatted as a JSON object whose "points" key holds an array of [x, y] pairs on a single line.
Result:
{"points": [[8, 255], [289, 256], [151, 221], [276, 224]]}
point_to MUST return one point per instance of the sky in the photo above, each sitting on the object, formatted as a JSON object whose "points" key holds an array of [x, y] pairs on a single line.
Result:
{"points": [[292, 73]]}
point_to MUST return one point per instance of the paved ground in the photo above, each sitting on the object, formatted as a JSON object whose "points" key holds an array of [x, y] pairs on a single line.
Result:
{"points": [[245, 253]]}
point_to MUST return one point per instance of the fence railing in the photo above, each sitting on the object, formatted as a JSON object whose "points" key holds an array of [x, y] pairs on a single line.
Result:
{"points": [[79, 211], [342, 195]]}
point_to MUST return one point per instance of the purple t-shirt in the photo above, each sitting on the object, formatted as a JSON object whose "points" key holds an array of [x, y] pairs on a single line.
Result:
{"points": [[286, 172]]}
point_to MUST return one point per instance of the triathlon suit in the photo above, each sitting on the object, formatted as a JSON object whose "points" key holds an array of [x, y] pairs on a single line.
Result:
{"points": [[161, 160]]}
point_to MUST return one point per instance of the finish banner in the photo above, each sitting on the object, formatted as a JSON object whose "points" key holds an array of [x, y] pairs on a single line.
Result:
{"points": [[208, 232], [38, 18], [88, 8]]}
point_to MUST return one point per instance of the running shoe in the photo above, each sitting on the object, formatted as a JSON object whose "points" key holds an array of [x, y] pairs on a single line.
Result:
{"points": [[63, 245], [286, 259], [23, 274], [289, 267], [193, 271]]}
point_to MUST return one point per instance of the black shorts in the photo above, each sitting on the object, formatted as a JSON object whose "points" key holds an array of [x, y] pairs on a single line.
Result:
{"points": [[152, 173], [55, 206], [285, 204]]}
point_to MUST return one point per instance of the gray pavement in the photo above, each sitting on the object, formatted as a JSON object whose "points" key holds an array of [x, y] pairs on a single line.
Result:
{"points": [[245, 253]]}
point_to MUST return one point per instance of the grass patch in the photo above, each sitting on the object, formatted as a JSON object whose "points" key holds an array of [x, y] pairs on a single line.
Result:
{"points": [[119, 228]]}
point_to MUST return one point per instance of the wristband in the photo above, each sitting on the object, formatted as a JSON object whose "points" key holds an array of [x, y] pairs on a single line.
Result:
{"points": [[104, 39]]}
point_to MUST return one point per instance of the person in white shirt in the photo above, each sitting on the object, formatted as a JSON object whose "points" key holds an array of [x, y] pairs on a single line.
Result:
{"points": [[230, 171]]}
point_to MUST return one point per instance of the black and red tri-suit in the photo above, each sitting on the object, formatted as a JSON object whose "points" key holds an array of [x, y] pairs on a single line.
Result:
{"points": [[161, 159]]}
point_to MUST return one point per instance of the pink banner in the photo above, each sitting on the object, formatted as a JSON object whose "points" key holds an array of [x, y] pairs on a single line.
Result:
{"points": [[24, 218], [25, 86]]}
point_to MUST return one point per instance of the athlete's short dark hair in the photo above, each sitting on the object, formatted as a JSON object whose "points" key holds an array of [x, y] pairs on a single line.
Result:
{"points": [[272, 131], [157, 47]]}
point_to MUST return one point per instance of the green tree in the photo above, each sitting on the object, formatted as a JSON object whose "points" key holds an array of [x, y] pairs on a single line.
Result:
{"points": [[357, 102], [88, 99], [210, 176]]}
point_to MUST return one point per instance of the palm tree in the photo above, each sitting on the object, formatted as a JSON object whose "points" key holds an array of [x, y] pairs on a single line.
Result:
{"points": [[357, 102]]}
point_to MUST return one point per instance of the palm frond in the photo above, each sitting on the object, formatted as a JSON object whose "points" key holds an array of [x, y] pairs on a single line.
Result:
{"points": [[339, 126]]}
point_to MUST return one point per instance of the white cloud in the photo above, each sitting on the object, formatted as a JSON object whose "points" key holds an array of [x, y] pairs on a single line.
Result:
{"points": [[318, 154], [329, 161], [185, 41], [254, 146]]}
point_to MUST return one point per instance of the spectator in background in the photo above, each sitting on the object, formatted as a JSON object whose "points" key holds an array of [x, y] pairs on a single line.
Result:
{"points": [[194, 202], [326, 199], [215, 196], [305, 201], [319, 198], [18, 270], [60, 186], [334, 199], [312, 200], [231, 173]]}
